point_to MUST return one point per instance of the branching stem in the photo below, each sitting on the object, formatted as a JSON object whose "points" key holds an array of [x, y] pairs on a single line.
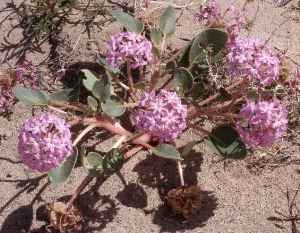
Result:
{"points": [[180, 172]]}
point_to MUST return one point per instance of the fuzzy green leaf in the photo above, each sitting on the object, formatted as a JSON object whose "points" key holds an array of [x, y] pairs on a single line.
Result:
{"points": [[183, 59], [90, 79], [129, 22], [198, 90], [183, 80], [212, 38], [113, 160], [94, 161], [93, 103], [30, 96], [167, 23], [61, 174], [166, 151], [226, 141], [62, 95], [156, 37], [102, 89], [113, 107]]}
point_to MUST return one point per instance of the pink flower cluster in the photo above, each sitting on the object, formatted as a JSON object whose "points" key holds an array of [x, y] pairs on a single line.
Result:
{"points": [[262, 123], [131, 47], [44, 142], [209, 13], [28, 75], [162, 115], [251, 58]]}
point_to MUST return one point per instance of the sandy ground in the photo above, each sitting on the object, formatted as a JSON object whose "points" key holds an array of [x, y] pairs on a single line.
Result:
{"points": [[235, 199]]}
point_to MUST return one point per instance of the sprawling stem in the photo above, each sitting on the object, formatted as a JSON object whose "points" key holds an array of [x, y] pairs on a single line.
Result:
{"points": [[180, 172], [83, 133], [65, 105], [222, 109], [89, 178], [132, 152], [119, 142], [114, 128], [214, 97], [58, 110], [79, 189], [197, 107], [130, 78]]}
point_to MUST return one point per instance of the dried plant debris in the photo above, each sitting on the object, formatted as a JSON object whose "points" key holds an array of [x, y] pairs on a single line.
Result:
{"points": [[185, 201], [64, 219]]}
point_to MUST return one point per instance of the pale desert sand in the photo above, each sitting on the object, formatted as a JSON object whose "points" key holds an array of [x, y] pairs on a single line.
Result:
{"points": [[236, 199]]}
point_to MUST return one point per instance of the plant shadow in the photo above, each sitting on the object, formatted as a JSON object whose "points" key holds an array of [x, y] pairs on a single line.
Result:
{"points": [[170, 222], [160, 173], [97, 210], [20, 220], [26, 186], [133, 196]]}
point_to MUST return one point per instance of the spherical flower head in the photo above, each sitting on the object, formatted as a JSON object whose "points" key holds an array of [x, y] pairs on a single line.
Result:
{"points": [[251, 58], [129, 47], [162, 115], [209, 13], [44, 142], [262, 123], [27, 74]]}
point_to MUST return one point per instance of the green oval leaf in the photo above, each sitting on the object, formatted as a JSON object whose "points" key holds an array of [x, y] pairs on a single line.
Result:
{"points": [[113, 160], [62, 95], [90, 79], [94, 161], [129, 22], [183, 80], [226, 141], [30, 96], [166, 151], [198, 90], [183, 59], [156, 37], [212, 38], [113, 107], [61, 174], [93, 103], [167, 23], [102, 89]]}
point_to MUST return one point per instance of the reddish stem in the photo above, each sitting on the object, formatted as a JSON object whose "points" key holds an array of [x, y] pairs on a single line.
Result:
{"points": [[132, 152], [196, 109], [79, 189]]}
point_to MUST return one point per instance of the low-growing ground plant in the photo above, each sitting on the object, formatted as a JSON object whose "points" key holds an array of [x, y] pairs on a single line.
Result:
{"points": [[148, 95], [42, 21]]}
